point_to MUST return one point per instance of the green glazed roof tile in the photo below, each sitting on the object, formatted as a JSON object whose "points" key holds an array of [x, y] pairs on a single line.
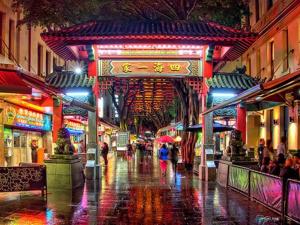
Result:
{"points": [[69, 79], [234, 80]]}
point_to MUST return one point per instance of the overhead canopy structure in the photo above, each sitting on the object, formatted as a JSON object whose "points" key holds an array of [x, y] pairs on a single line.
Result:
{"points": [[217, 127], [123, 35], [283, 89], [150, 55]]}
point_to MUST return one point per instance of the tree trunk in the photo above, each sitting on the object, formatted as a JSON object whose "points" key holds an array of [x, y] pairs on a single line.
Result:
{"points": [[190, 113]]}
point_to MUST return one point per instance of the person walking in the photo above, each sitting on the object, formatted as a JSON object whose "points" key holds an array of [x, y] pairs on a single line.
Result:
{"points": [[34, 146], [104, 153], [174, 157], [281, 148], [129, 151], [163, 157]]}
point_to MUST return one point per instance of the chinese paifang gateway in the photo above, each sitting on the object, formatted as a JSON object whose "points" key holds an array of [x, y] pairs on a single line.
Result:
{"points": [[119, 56]]}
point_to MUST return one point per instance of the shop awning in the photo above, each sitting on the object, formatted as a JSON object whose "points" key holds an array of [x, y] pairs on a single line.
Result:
{"points": [[108, 124], [273, 91], [217, 127], [10, 82]]}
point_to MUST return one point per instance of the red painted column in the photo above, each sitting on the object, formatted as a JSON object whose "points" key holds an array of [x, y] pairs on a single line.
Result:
{"points": [[92, 68], [207, 133], [57, 118], [207, 73], [241, 121]]}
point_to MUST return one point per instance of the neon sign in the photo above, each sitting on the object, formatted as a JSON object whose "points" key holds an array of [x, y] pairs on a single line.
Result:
{"points": [[150, 67], [25, 118], [74, 127]]}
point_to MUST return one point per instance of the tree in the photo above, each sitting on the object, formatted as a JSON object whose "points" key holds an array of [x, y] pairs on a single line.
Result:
{"points": [[123, 95], [190, 106], [53, 14]]}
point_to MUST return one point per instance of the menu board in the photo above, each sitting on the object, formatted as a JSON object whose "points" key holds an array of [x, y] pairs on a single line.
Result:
{"points": [[122, 140], [25, 118]]}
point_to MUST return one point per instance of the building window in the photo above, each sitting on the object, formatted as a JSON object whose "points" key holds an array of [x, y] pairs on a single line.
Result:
{"points": [[1, 33], [256, 10], [11, 39], [269, 4], [272, 57], [258, 63], [48, 57], [285, 52], [40, 60]]}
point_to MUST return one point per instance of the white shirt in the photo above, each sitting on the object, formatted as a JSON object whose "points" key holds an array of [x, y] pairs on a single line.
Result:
{"points": [[281, 149]]}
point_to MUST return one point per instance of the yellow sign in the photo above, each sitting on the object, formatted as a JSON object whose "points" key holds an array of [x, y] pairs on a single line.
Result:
{"points": [[151, 67]]}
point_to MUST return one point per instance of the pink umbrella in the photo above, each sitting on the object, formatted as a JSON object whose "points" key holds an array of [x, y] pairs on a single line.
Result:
{"points": [[165, 139]]}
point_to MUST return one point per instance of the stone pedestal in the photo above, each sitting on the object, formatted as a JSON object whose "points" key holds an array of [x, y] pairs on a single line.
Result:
{"points": [[64, 174]]}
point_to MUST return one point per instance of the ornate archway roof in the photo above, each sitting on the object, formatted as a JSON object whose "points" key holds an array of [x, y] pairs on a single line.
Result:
{"points": [[69, 79], [173, 32], [236, 81]]}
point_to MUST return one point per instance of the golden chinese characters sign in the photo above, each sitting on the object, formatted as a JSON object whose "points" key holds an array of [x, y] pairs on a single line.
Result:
{"points": [[150, 68]]}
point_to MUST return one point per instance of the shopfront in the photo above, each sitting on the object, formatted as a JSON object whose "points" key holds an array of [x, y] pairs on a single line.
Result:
{"points": [[77, 131], [22, 127]]}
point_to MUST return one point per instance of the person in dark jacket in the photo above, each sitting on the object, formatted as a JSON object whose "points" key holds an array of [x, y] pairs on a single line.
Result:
{"points": [[34, 147], [174, 157], [288, 172], [275, 168], [265, 165], [104, 153]]}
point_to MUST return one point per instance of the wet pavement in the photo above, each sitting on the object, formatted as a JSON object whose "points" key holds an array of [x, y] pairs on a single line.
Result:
{"points": [[133, 193]]}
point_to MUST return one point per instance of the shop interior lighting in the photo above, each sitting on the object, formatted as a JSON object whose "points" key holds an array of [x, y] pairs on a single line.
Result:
{"points": [[228, 95], [77, 94]]}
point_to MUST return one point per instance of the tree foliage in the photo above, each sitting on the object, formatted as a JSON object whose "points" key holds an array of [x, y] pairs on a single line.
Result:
{"points": [[58, 13]]}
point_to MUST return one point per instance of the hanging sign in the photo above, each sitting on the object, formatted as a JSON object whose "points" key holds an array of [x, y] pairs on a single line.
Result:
{"points": [[150, 68], [122, 140], [26, 118], [74, 127]]}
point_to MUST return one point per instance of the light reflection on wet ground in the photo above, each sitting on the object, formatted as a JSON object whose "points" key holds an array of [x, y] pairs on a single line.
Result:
{"points": [[133, 193]]}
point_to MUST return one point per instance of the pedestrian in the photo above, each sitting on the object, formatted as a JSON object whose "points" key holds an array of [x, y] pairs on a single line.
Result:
{"points": [[281, 148], [265, 165], [129, 151], [81, 148], [34, 146], [163, 157], [267, 150], [104, 153], [288, 172], [275, 168], [174, 157], [260, 150], [297, 162]]}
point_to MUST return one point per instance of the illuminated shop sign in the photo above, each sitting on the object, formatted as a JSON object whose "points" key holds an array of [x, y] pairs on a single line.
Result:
{"points": [[26, 118], [150, 67], [74, 127]]}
